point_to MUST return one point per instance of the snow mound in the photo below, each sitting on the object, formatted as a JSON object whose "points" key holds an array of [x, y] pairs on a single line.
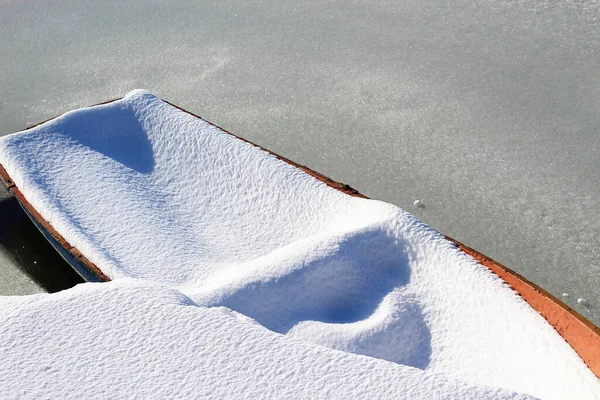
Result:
{"points": [[147, 191], [127, 339]]}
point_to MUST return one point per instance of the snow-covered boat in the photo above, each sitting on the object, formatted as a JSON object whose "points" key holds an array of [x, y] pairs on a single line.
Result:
{"points": [[75, 239]]}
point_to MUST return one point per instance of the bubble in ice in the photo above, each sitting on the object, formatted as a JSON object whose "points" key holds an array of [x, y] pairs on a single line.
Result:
{"points": [[418, 204], [582, 301], [565, 294]]}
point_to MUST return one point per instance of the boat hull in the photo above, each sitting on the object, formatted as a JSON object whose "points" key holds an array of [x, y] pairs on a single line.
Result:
{"points": [[581, 334]]}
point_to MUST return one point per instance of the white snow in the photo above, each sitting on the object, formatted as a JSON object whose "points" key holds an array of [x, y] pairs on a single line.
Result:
{"points": [[486, 110], [130, 339], [147, 191]]}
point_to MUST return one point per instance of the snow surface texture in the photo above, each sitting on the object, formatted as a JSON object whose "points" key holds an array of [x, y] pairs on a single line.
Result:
{"points": [[147, 191], [487, 111], [137, 340]]}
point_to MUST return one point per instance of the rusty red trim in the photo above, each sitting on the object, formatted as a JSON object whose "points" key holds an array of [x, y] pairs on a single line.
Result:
{"points": [[49, 228], [342, 187], [50, 119], [6, 178], [581, 334]]}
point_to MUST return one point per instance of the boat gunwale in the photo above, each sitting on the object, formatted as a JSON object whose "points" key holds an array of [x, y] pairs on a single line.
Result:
{"points": [[580, 333]]}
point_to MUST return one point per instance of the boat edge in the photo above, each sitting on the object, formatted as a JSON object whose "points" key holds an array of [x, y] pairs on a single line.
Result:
{"points": [[581, 334]]}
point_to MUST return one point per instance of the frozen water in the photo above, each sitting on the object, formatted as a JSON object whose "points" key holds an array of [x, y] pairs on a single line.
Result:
{"points": [[147, 191], [13, 281], [487, 111], [28, 263], [419, 204]]}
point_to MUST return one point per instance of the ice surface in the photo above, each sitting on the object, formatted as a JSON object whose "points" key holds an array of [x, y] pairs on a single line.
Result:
{"points": [[147, 191], [28, 263], [12, 279], [486, 111], [136, 340], [13, 282]]}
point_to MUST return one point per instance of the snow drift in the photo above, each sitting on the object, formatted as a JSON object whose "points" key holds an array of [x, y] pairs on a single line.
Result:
{"points": [[131, 339], [147, 191]]}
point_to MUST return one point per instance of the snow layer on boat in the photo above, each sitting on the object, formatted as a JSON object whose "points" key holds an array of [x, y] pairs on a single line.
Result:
{"points": [[130, 339], [147, 191]]}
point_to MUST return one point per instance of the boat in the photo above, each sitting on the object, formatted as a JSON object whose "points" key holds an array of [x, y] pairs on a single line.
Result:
{"points": [[582, 335]]}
